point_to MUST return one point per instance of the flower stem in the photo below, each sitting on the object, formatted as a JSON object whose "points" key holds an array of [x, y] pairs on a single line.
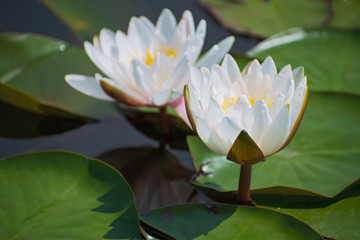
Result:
{"points": [[243, 196], [165, 127]]}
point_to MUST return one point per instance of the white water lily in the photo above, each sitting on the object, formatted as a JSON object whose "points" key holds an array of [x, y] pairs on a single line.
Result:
{"points": [[150, 64], [222, 102]]}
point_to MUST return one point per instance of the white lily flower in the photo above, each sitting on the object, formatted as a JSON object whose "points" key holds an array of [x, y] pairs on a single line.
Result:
{"points": [[222, 102], [150, 64]]}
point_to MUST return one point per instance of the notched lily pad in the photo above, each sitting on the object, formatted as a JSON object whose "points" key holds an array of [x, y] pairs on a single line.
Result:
{"points": [[220, 221], [32, 70], [60, 195]]}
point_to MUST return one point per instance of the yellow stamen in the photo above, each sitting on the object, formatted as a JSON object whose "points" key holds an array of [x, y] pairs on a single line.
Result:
{"points": [[251, 100], [234, 99], [149, 59], [227, 103]]}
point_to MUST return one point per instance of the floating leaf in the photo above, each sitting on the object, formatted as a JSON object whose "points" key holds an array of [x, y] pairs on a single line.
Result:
{"points": [[59, 195], [325, 147], [264, 18], [195, 221], [88, 21], [329, 57], [336, 218], [14, 125], [32, 70]]}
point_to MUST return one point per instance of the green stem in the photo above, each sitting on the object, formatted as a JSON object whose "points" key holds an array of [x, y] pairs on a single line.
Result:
{"points": [[243, 195]]}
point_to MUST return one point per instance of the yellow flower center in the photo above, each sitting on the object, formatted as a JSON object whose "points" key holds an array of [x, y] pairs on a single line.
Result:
{"points": [[149, 59], [233, 100]]}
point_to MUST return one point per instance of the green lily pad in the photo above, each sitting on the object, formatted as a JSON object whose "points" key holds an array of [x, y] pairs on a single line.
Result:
{"points": [[336, 218], [197, 221], [324, 148], [87, 21], [14, 126], [59, 195], [329, 57], [32, 70], [264, 18]]}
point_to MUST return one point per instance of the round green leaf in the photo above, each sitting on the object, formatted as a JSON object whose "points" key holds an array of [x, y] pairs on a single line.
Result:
{"points": [[336, 218], [14, 126], [329, 57], [264, 18], [324, 148], [32, 70], [87, 21], [225, 222], [59, 195]]}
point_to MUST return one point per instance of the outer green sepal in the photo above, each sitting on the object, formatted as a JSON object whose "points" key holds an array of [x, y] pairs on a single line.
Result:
{"points": [[187, 106], [244, 150]]}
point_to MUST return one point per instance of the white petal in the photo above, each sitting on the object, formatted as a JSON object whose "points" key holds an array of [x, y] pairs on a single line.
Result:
{"points": [[298, 99], [177, 75], [209, 138], [138, 34], [107, 43], [214, 113], [216, 53], [99, 59], [276, 105], [140, 75], [239, 110], [198, 41], [88, 86], [263, 89], [282, 82], [189, 20], [194, 102], [261, 120], [277, 133], [231, 67], [125, 49], [162, 69], [228, 130], [164, 97], [298, 75], [253, 77], [268, 67], [166, 24]]}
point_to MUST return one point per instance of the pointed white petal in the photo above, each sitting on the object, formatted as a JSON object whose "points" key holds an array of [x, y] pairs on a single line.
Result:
{"points": [[216, 53], [228, 130], [177, 75], [268, 67], [298, 99], [261, 120], [107, 43], [209, 138], [138, 34], [214, 113], [126, 51], [230, 66], [298, 75], [276, 105], [88, 86], [99, 59], [253, 77], [198, 41], [189, 20], [166, 24], [277, 132]]}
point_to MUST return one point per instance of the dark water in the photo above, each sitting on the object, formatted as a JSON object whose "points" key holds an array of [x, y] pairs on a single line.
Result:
{"points": [[112, 136]]}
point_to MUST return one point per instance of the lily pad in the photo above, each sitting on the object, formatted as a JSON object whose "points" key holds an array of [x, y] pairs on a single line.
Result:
{"points": [[329, 57], [324, 148], [59, 195], [264, 18], [14, 126], [32, 70], [87, 21], [336, 218], [197, 221]]}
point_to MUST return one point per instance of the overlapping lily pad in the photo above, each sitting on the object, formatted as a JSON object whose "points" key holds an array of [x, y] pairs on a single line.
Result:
{"points": [[32, 70], [323, 158], [329, 57], [59, 195], [87, 18], [224, 222], [264, 18], [336, 218]]}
